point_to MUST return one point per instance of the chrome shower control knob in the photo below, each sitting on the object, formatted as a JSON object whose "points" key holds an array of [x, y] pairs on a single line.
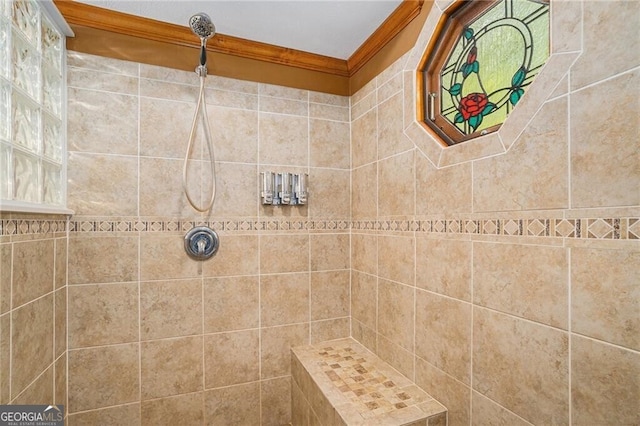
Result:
{"points": [[201, 243]]}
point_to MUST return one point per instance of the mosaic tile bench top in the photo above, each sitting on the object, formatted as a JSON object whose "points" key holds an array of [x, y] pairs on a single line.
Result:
{"points": [[371, 387]]}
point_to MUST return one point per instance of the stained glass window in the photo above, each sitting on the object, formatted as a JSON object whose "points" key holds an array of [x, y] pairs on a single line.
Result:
{"points": [[484, 60]]}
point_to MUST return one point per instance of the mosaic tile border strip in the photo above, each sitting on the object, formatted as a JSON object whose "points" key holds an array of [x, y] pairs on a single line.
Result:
{"points": [[582, 228], [9, 227]]}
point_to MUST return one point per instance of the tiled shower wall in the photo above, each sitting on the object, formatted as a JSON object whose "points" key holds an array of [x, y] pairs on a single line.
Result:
{"points": [[155, 337], [508, 286], [33, 304]]}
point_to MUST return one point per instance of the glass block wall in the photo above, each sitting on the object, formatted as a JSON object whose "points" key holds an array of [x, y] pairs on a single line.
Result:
{"points": [[32, 107]]}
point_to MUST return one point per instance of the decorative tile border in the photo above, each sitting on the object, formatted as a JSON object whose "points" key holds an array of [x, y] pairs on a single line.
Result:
{"points": [[583, 228]]}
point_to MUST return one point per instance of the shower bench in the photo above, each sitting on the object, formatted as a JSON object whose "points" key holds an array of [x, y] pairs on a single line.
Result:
{"points": [[340, 382]]}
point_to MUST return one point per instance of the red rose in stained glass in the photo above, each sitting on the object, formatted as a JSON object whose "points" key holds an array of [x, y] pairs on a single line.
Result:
{"points": [[473, 104]]}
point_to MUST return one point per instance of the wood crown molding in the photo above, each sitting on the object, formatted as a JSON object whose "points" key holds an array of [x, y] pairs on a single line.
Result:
{"points": [[84, 15]]}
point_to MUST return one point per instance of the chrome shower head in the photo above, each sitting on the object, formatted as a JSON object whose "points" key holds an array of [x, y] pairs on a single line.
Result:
{"points": [[202, 26]]}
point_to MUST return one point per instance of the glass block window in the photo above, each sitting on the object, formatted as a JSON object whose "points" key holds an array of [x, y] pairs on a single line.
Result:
{"points": [[483, 60], [32, 107]]}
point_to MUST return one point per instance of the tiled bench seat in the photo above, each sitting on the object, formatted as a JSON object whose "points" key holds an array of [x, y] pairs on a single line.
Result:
{"points": [[340, 382]]}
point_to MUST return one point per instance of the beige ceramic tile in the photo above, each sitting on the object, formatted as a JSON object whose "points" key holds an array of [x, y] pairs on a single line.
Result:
{"points": [[442, 191], [31, 342], [237, 405], [534, 173], [154, 72], [329, 295], [41, 389], [276, 344], [329, 99], [226, 98], [566, 26], [605, 295], [329, 193], [60, 381], [329, 112], [449, 392], [161, 190], [391, 87], [5, 358], [396, 258], [284, 106], [283, 92], [391, 139], [33, 273], [364, 253], [236, 190], [363, 139], [170, 308], [506, 279], [436, 272], [86, 78], [284, 299], [398, 357], [103, 314], [503, 345], [284, 253], [237, 255], [165, 127], [103, 259], [364, 335], [91, 193], [234, 134], [183, 409], [329, 252], [61, 263], [60, 322], [168, 90], [231, 303], [100, 63], [364, 298], [162, 257], [101, 122], [113, 416], [171, 367], [604, 383], [364, 192], [443, 334], [396, 188], [428, 144], [364, 105], [231, 358], [276, 401], [396, 313], [284, 140], [299, 406], [606, 41], [486, 412], [329, 144], [104, 376], [331, 329], [483, 146], [5, 277], [605, 167], [232, 84]]}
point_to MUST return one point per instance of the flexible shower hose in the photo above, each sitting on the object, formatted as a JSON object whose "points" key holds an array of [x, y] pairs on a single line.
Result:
{"points": [[201, 109]]}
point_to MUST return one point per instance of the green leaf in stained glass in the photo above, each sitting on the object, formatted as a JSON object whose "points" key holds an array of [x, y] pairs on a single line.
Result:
{"points": [[475, 121], [515, 96], [466, 70], [488, 109], [518, 77], [459, 118], [475, 67], [455, 89], [468, 33]]}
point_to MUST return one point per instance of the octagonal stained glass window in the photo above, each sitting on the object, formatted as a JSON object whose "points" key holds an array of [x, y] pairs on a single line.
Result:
{"points": [[481, 64]]}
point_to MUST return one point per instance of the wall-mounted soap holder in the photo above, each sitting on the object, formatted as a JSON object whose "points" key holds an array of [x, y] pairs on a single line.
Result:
{"points": [[289, 189]]}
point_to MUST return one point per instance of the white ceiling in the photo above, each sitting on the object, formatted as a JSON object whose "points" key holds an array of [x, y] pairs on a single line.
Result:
{"points": [[333, 28]]}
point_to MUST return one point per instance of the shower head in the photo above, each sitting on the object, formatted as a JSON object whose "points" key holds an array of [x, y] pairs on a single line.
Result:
{"points": [[202, 26]]}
